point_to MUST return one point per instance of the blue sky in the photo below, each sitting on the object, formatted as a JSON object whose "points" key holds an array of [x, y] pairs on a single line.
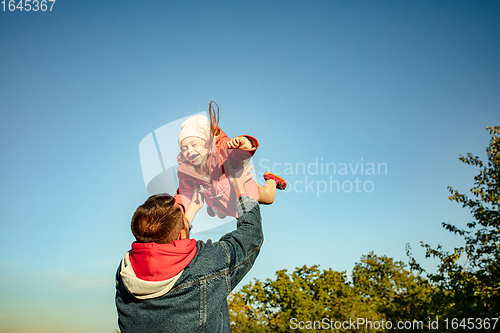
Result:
{"points": [[409, 84]]}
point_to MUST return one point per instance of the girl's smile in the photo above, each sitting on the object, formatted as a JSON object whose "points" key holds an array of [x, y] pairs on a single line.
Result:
{"points": [[193, 150]]}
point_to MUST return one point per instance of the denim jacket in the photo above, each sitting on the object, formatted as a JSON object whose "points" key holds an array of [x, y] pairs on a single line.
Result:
{"points": [[195, 300]]}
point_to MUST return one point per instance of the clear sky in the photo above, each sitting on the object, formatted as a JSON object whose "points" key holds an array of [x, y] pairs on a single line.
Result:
{"points": [[407, 84]]}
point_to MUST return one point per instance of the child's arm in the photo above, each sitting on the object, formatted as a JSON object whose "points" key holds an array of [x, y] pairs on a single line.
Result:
{"points": [[240, 148], [240, 142], [237, 149]]}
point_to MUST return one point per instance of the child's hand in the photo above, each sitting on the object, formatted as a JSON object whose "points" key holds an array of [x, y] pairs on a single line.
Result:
{"points": [[239, 142]]}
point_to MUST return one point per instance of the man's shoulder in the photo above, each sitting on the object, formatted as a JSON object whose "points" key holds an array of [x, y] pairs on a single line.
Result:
{"points": [[211, 259], [209, 250]]}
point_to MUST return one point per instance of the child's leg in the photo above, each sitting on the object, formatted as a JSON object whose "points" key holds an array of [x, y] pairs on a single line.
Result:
{"points": [[267, 192]]}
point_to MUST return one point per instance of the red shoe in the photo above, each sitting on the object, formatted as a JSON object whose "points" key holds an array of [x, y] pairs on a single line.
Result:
{"points": [[280, 182], [210, 211]]}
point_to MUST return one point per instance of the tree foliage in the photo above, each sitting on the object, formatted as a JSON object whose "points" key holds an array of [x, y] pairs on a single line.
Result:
{"points": [[390, 289], [381, 289], [470, 287]]}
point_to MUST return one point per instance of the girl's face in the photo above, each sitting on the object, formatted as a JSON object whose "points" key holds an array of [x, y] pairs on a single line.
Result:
{"points": [[193, 150]]}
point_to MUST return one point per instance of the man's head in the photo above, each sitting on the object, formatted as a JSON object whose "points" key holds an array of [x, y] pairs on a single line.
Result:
{"points": [[160, 219]]}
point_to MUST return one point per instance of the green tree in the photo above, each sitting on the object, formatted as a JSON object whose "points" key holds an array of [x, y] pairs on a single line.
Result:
{"points": [[240, 310], [380, 289], [470, 287], [392, 291], [307, 294]]}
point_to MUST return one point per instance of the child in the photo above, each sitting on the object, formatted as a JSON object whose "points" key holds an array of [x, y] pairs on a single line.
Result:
{"points": [[206, 153]]}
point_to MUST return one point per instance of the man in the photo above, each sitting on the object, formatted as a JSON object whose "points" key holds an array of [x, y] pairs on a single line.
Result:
{"points": [[168, 282]]}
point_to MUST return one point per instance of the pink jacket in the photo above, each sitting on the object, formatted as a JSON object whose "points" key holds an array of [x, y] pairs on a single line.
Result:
{"points": [[217, 189]]}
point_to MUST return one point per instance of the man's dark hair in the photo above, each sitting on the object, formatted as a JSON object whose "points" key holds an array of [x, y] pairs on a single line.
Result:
{"points": [[158, 220]]}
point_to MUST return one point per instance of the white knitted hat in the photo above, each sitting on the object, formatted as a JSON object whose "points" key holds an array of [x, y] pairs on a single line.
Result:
{"points": [[195, 126]]}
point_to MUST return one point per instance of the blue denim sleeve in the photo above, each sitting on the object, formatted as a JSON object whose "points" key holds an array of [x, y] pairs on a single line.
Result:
{"points": [[243, 244]]}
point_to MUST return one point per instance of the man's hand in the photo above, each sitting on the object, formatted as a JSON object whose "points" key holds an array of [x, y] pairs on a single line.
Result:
{"points": [[240, 177], [239, 142], [197, 200], [194, 206]]}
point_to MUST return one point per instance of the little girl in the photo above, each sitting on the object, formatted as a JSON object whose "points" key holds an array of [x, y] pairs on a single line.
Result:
{"points": [[206, 151]]}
